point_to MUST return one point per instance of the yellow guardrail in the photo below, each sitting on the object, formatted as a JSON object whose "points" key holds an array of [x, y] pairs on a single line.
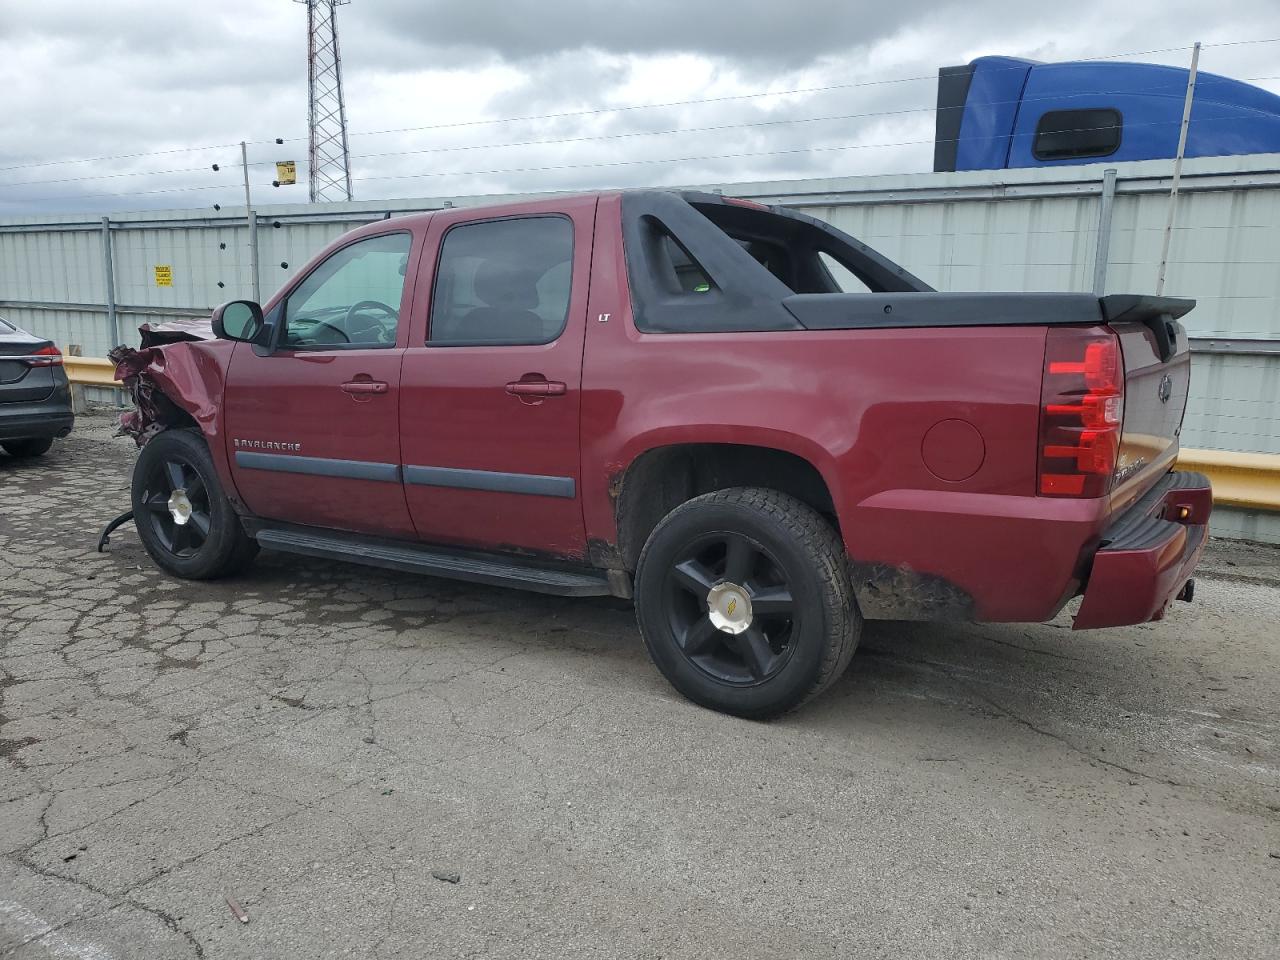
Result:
{"points": [[91, 371], [1239, 479]]}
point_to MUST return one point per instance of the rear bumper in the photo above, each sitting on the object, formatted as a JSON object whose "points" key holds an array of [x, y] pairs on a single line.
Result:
{"points": [[1148, 554], [50, 417]]}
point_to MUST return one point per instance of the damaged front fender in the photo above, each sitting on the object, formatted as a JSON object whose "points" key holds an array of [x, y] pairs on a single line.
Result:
{"points": [[176, 380]]}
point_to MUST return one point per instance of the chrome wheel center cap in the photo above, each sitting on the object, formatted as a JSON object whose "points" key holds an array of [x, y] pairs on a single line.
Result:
{"points": [[729, 607], [179, 507]]}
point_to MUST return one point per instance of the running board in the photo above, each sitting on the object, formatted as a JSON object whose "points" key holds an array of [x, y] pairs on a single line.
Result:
{"points": [[474, 567]]}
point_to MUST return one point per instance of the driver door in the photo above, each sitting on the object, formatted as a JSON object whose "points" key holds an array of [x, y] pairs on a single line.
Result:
{"points": [[312, 429]]}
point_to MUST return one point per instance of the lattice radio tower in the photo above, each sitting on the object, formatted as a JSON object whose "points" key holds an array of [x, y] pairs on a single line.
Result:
{"points": [[329, 155]]}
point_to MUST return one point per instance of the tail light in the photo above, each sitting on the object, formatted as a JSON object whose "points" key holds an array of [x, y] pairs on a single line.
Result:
{"points": [[1081, 411], [47, 356]]}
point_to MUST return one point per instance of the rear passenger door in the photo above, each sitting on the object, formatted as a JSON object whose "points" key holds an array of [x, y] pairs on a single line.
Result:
{"points": [[491, 382]]}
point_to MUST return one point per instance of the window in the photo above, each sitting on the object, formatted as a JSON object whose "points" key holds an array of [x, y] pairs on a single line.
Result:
{"points": [[671, 266], [503, 282], [846, 280], [688, 273], [802, 254], [352, 299], [1074, 134]]}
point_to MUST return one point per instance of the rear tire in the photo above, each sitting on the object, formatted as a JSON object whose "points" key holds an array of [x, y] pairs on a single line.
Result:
{"points": [[744, 602], [174, 478], [22, 449]]}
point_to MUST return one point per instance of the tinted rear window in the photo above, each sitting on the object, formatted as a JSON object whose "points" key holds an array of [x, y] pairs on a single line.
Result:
{"points": [[503, 282]]}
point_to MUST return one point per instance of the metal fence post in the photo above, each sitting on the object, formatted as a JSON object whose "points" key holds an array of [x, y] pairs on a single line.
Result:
{"points": [[108, 271], [255, 272], [1102, 249], [1177, 168], [253, 226]]}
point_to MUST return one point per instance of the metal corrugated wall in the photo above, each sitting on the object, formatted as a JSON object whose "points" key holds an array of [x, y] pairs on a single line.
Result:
{"points": [[1033, 244], [1019, 230], [88, 327], [66, 267]]}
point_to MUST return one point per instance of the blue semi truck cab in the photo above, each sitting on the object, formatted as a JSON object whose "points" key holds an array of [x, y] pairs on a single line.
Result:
{"points": [[1000, 112]]}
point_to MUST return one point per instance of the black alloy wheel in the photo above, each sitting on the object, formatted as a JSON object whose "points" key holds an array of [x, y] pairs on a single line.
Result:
{"points": [[175, 501], [744, 601], [184, 519], [731, 608]]}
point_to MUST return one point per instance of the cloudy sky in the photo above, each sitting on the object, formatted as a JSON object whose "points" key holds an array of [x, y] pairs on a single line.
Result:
{"points": [[124, 105]]}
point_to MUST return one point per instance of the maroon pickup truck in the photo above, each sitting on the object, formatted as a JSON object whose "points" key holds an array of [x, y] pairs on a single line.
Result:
{"points": [[753, 424]]}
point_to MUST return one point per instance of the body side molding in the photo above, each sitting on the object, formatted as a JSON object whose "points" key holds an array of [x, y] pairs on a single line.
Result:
{"points": [[319, 466], [490, 480]]}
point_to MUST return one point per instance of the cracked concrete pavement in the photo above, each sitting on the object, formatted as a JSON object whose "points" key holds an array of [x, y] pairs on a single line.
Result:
{"points": [[316, 739]]}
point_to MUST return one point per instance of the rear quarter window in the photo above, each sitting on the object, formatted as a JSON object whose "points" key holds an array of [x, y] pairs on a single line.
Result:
{"points": [[846, 280]]}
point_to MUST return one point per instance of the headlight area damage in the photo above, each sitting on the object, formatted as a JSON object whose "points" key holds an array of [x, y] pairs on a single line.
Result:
{"points": [[175, 378]]}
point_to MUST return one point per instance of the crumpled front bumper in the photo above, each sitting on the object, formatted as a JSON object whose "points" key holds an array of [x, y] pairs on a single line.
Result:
{"points": [[1147, 556]]}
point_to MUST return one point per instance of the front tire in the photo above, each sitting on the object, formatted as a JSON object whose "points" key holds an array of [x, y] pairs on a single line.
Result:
{"points": [[24, 449], [744, 602], [183, 517]]}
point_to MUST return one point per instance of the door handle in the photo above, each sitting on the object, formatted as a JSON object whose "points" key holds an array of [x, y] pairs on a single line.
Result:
{"points": [[364, 386], [536, 388]]}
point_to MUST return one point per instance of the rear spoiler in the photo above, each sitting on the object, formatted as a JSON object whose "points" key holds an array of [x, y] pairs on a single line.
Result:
{"points": [[1159, 314], [871, 311]]}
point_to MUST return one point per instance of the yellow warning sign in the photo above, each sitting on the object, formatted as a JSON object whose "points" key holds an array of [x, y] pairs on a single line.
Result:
{"points": [[164, 275], [286, 172]]}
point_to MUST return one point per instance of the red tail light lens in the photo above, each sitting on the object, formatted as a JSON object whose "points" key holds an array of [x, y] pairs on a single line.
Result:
{"points": [[49, 356], [1081, 412]]}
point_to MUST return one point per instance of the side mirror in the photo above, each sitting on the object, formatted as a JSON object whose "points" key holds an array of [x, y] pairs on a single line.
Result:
{"points": [[239, 320]]}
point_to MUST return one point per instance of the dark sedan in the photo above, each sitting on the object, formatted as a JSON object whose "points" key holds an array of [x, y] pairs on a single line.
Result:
{"points": [[35, 397]]}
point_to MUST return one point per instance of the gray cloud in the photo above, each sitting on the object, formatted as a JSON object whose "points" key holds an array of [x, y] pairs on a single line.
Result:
{"points": [[91, 79], [769, 34], [747, 30]]}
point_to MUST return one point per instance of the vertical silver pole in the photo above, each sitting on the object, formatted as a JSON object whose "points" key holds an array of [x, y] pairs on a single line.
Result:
{"points": [[342, 102], [1102, 250], [313, 155], [1177, 167], [252, 221], [109, 278], [253, 257]]}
